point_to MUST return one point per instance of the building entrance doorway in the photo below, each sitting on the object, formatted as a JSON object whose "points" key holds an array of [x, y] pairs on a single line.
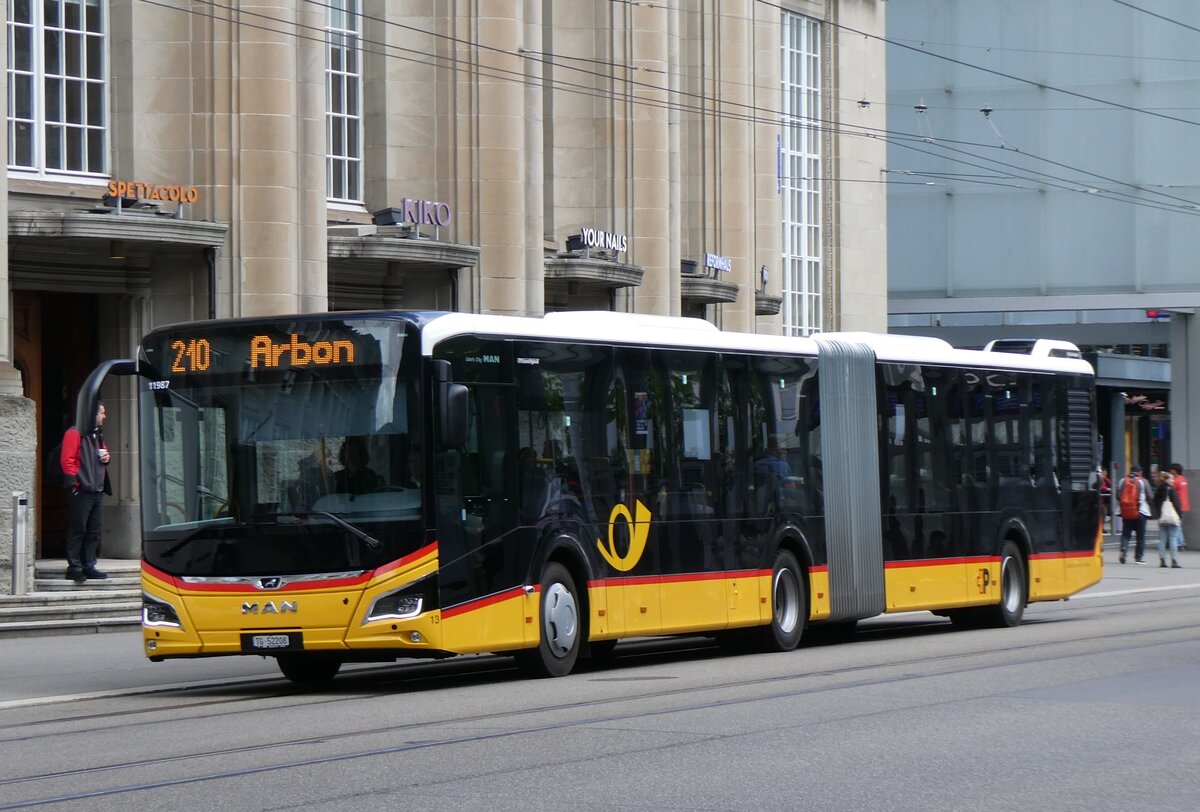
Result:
{"points": [[55, 342]]}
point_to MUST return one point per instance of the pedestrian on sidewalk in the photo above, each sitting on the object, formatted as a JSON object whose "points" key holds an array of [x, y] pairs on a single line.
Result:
{"points": [[1180, 484], [1134, 494], [1166, 508], [84, 462]]}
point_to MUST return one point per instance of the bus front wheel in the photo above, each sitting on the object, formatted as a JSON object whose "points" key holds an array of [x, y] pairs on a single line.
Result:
{"points": [[560, 626], [309, 669], [789, 605]]}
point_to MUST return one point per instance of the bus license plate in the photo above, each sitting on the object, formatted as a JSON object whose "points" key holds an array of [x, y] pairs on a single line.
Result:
{"points": [[272, 642]]}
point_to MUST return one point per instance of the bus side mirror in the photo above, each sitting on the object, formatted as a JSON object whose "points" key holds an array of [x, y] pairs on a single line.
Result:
{"points": [[451, 407]]}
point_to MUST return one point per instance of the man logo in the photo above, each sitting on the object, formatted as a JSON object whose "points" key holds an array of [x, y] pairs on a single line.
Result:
{"points": [[270, 583], [269, 608]]}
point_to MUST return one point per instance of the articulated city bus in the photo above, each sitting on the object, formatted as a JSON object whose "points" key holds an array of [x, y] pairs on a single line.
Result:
{"points": [[342, 487]]}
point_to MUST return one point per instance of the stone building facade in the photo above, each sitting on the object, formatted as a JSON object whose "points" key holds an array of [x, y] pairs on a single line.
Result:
{"points": [[176, 160]]}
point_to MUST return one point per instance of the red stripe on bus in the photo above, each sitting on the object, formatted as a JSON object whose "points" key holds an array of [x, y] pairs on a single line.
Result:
{"points": [[428, 549], [300, 586], [941, 562], [1069, 554], [471, 606], [682, 577]]}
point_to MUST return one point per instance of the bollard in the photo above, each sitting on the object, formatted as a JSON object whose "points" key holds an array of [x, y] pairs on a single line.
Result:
{"points": [[20, 548]]}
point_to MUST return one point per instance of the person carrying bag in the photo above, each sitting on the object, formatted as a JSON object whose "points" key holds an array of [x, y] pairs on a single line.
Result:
{"points": [[1166, 507]]}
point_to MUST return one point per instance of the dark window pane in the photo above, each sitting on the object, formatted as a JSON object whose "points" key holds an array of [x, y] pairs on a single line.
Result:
{"points": [[53, 100], [75, 149], [53, 147], [23, 143], [74, 110], [74, 17], [73, 53], [52, 57], [50, 12], [337, 102], [95, 104], [21, 11], [95, 151], [337, 146], [23, 48], [352, 138], [22, 102], [337, 190], [95, 57], [352, 95], [352, 56], [353, 193], [95, 16]]}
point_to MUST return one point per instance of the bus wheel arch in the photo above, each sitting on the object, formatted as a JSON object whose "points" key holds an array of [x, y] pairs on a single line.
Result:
{"points": [[562, 614], [789, 599], [1014, 585]]}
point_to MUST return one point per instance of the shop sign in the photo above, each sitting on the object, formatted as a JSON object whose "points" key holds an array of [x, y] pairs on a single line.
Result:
{"points": [[426, 212], [152, 191], [716, 262]]}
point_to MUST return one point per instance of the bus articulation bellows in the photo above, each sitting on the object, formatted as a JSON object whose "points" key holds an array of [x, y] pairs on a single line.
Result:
{"points": [[342, 487]]}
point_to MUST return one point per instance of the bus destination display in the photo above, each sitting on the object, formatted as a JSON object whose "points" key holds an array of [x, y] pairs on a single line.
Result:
{"points": [[191, 355]]}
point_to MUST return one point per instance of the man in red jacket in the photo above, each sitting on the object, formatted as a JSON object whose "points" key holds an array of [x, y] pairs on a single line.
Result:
{"points": [[84, 462], [1180, 484]]}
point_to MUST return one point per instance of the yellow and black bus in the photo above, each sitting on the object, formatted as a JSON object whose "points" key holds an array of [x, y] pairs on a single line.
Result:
{"points": [[340, 487]]}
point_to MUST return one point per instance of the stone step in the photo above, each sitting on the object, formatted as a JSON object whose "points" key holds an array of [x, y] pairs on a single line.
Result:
{"points": [[61, 610], [45, 628], [58, 606], [114, 583]]}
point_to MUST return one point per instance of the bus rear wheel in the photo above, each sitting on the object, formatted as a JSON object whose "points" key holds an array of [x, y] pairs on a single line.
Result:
{"points": [[1013, 590], [560, 627], [789, 605], [309, 669]]}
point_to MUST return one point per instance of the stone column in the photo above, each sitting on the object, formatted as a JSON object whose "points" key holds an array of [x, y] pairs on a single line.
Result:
{"points": [[1185, 414], [499, 156], [269, 158], [535, 179], [768, 240], [18, 425], [651, 165], [736, 150]]}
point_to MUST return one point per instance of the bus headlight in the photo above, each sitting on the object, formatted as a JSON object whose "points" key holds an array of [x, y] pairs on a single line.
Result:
{"points": [[395, 606], [159, 613]]}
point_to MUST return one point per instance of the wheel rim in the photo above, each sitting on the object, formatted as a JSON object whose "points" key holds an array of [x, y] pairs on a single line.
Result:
{"points": [[1010, 581], [787, 601], [560, 620]]}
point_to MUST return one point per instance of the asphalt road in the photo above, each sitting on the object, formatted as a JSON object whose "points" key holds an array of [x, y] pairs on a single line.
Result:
{"points": [[1092, 704]]}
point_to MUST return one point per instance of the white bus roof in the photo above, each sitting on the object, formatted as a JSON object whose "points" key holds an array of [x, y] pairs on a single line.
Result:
{"points": [[605, 327]]}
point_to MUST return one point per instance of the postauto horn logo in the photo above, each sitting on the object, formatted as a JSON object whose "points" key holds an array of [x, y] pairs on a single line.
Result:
{"points": [[639, 531]]}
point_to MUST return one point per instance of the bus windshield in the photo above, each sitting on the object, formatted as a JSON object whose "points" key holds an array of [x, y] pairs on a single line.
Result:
{"points": [[281, 448]]}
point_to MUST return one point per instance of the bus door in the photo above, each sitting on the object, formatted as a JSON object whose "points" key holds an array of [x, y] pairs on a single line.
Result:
{"points": [[928, 549], [693, 561], [1047, 566], [632, 533], [482, 557]]}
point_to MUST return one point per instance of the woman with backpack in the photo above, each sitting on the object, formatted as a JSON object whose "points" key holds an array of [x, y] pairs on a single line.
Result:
{"points": [[1167, 508]]}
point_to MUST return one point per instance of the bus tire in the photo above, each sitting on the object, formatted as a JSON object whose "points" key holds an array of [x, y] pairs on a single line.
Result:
{"points": [[309, 669], [560, 626], [1013, 590], [789, 605]]}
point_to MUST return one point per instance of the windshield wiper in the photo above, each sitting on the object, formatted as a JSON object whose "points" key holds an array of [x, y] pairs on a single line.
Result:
{"points": [[359, 534]]}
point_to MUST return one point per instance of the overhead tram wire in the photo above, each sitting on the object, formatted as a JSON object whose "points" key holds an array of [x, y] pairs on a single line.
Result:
{"points": [[1162, 17], [993, 71], [1069, 186], [771, 117]]}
